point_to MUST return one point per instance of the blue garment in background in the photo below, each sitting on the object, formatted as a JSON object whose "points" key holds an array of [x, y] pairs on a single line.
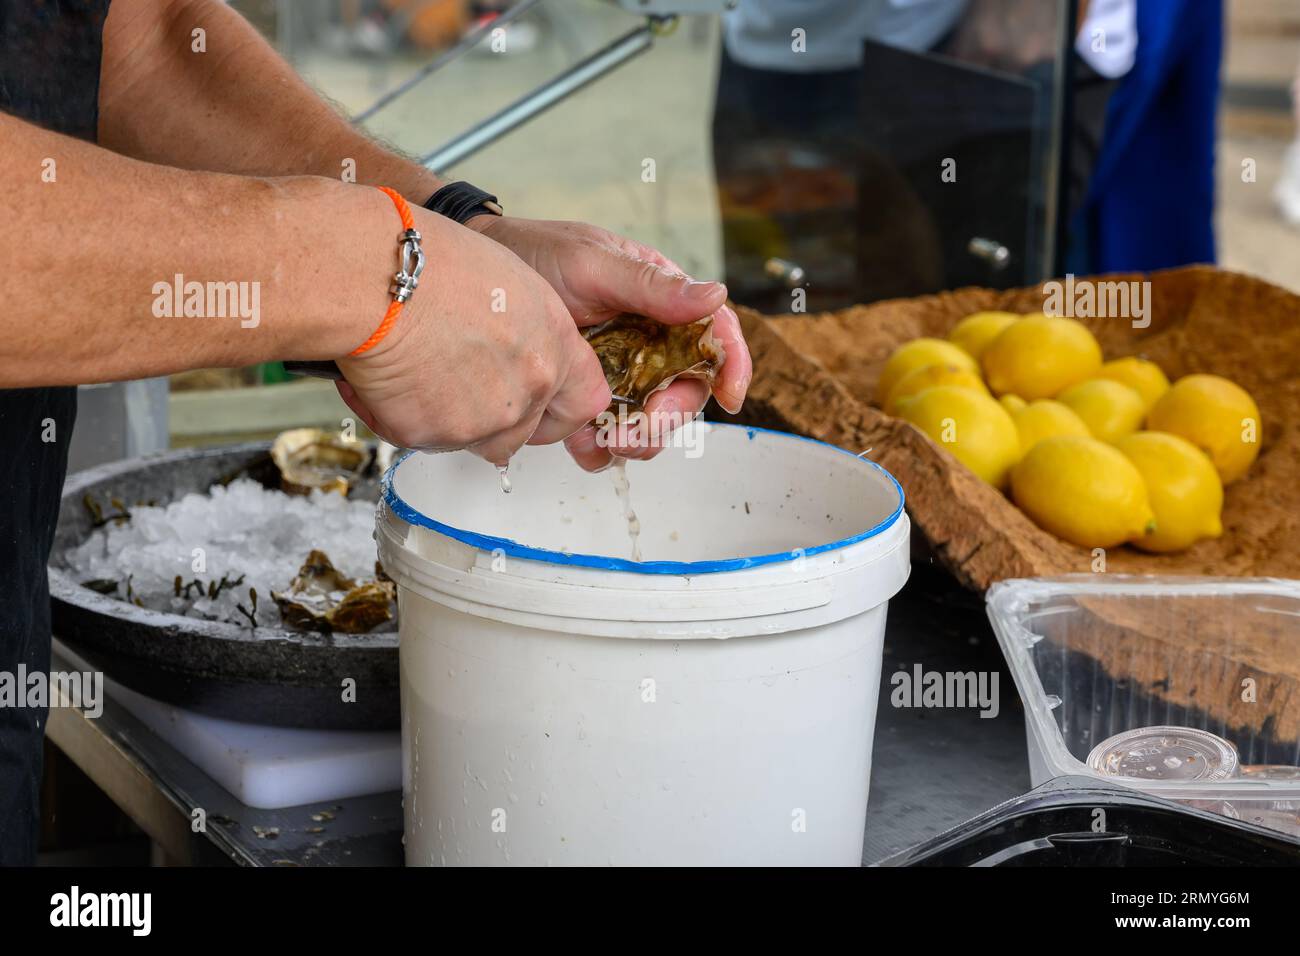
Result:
{"points": [[1150, 204]]}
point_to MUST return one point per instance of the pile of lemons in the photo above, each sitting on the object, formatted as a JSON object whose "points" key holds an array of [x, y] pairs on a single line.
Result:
{"points": [[1097, 453]]}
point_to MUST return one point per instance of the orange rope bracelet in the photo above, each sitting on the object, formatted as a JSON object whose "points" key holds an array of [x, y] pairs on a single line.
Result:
{"points": [[406, 279]]}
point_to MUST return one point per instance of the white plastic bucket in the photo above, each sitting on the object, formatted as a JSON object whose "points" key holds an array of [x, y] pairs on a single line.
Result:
{"points": [[712, 704]]}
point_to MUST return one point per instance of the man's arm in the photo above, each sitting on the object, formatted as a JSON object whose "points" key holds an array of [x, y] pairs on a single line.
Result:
{"points": [[235, 107], [93, 243], [239, 108], [88, 234]]}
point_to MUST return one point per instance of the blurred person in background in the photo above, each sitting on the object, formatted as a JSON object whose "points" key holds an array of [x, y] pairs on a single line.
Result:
{"points": [[1150, 202]]}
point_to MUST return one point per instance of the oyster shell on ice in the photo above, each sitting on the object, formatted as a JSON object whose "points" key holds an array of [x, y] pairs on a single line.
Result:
{"points": [[311, 458], [639, 356], [321, 598]]}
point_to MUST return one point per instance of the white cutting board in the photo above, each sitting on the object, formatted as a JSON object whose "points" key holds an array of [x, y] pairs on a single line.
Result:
{"points": [[269, 767], [273, 767]]}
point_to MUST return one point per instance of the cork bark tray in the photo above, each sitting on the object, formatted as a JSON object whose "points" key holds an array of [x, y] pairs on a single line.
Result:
{"points": [[816, 375]]}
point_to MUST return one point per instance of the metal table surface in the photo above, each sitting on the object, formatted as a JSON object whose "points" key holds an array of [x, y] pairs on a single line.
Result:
{"points": [[932, 767]]}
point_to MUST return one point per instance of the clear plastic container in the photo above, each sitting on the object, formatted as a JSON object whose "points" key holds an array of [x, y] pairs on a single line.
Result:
{"points": [[1095, 656]]}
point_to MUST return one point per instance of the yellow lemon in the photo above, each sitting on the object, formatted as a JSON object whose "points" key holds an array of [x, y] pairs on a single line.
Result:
{"points": [[1045, 418], [976, 429], [975, 332], [1084, 491], [1040, 355], [1109, 409], [1012, 403], [1217, 416], [1182, 486], [915, 354], [928, 376], [1142, 375]]}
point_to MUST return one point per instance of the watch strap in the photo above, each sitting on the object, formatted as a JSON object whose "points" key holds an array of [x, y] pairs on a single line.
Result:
{"points": [[463, 201]]}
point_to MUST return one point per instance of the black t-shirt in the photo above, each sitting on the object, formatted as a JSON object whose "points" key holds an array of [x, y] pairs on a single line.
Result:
{"points": [[49, 74]]}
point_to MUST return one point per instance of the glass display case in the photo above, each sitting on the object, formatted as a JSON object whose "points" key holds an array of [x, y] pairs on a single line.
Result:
{"points": [[935, 159]]}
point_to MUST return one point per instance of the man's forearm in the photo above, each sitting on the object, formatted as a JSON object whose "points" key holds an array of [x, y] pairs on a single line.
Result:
{"points": [[93, 244], [235, 106]]}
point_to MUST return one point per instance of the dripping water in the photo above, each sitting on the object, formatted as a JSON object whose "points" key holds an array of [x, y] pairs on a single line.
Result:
{"points": [[623, 489]]}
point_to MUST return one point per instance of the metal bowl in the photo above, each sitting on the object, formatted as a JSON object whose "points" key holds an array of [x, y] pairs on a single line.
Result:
{"points": [[267, 676]]}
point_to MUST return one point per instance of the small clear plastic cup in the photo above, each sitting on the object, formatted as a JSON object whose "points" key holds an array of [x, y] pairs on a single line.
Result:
{"points": [[1165, 753]]}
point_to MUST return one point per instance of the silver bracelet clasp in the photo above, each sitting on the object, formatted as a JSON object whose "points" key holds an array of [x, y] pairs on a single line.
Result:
{"points": [[408, 280]]}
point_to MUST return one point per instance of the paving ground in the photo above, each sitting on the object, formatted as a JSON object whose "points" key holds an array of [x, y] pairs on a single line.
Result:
{"points": [[1253, 238], [1260, 61]]}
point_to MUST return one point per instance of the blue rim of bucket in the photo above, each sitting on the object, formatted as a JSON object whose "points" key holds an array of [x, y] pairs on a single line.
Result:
{"points": [[492, 543]]}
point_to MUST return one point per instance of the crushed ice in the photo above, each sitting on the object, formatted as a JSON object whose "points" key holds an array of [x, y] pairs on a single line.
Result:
{"points": [[239, 529]]}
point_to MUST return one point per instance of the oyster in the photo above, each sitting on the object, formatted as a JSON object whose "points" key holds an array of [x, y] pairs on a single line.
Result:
{"points": [[311, 458], [639, 356], [321, 598]]}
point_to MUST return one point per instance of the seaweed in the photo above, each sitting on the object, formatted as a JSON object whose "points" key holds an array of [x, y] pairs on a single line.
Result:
{"points": [[97, 517], [251, 615]]}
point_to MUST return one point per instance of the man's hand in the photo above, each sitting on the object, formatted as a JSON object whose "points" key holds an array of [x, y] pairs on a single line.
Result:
{"points": [[598, 275], [484, 356]]}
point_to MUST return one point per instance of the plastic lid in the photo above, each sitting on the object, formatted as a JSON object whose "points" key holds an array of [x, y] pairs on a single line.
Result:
{"points": [[1165, 753]]}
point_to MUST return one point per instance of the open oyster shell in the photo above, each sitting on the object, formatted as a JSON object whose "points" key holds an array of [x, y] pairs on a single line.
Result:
{"points": [[321, 598], [639, 356], [315, 458]]}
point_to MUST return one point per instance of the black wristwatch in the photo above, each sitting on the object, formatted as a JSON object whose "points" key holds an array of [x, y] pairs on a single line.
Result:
{"points": [[462, 202]]}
